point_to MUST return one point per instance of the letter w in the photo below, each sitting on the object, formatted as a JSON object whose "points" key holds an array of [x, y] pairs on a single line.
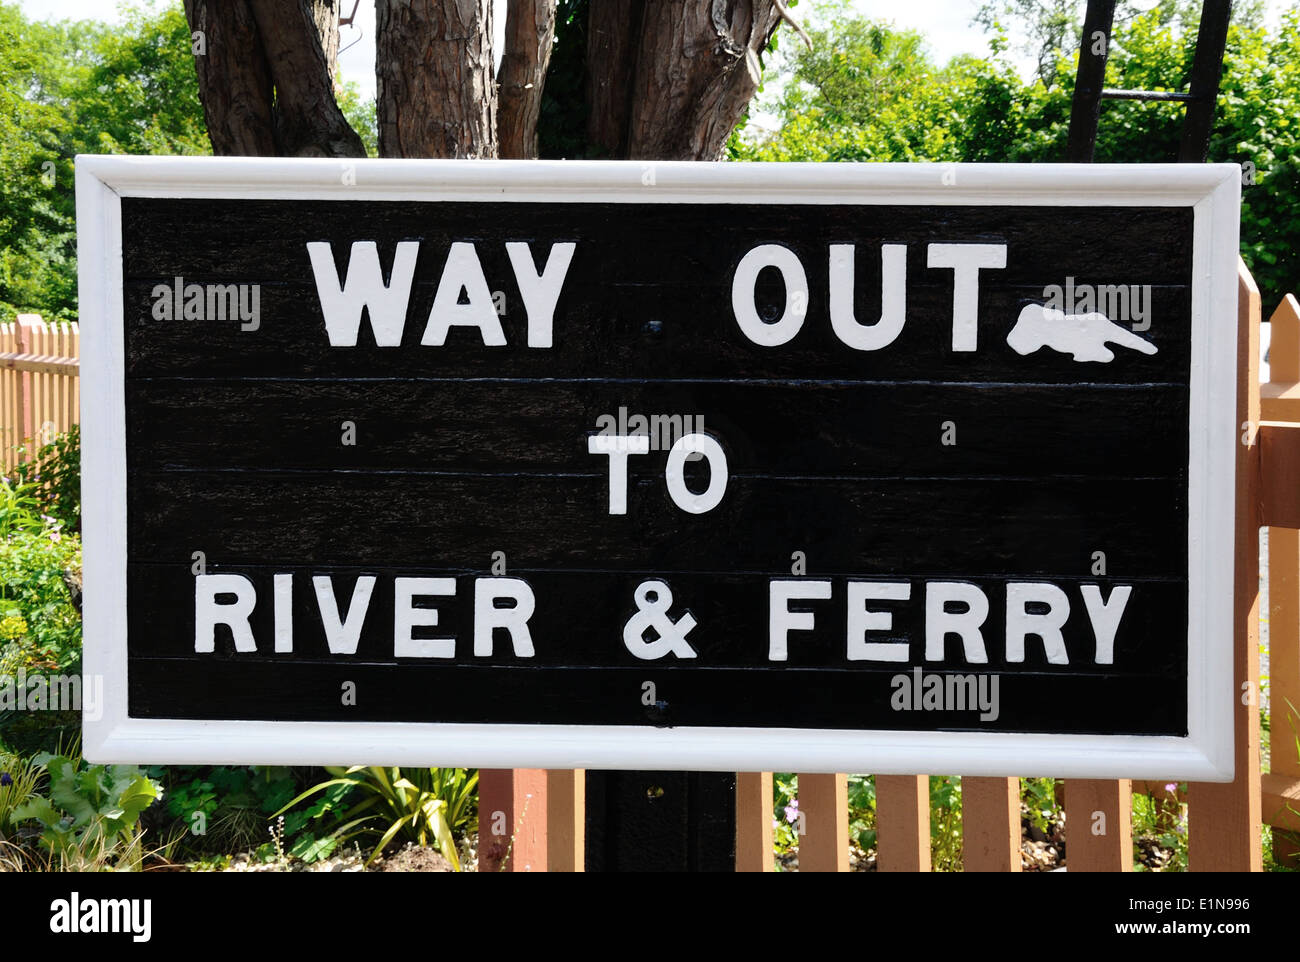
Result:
{"points": [[341, 304]]}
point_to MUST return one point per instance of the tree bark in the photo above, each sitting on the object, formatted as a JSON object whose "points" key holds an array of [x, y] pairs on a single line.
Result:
{"points": [[325, 17], [613, 30], [696, 70], [234, 78], [433, 64], [308, 121], [530, 31], [266, 78]]}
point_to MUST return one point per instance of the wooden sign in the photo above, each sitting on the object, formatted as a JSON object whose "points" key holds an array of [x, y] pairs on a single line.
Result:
{"points": [[619, 465]]}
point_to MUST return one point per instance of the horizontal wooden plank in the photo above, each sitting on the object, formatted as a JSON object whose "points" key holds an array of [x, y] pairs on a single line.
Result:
{"points": [[172, 688], [642, 331], [968, 527], [246, 239], [40, 363], [1280, 801], [1279, 401], [730, 611], [1279, 452], [804, 428], [648, 293]]}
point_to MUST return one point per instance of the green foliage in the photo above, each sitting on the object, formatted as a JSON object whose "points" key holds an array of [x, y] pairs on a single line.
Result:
{"points": [[90, 816], [1038, 796], [945, 823], [80, 87], [56, 470], [19, 508], [225, 808], [421, 805], [360, 114], [862, 811], [785, 805], [869, 92], [1160, 830], [19, 779], [41, 628], [562, 118]]}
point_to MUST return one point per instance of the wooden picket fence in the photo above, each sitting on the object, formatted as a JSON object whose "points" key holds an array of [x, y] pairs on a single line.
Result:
{"points": [[545, 809], [40, 394]]}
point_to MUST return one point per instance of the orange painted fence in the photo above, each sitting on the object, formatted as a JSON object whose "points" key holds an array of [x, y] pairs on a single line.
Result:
{"points": [[1224, 820], [39, 385]]}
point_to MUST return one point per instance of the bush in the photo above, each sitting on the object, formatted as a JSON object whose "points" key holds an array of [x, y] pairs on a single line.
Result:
{"points": [[55, 471], [90, 815]]}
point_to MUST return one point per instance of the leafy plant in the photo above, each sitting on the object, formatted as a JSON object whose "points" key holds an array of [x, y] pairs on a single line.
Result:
{"points": [[418, 805], [1038, 795], [785, 820], [1160, 829], [19, 779], [91, 816], [40, 627], [862, 811], [55, 474], [945, 823], [20, 508]]}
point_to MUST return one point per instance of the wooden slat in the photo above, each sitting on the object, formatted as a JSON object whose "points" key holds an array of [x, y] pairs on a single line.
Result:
{"points": [[23, 406], [1279, 461], [990, 821], [566, 818], [824, 804], [754, 822], [1280, 397], [1099, 825], [8, 398], [1284, 614], [40, 390], [902, 823], [76, 384], [519, 795], [1224, 818]]}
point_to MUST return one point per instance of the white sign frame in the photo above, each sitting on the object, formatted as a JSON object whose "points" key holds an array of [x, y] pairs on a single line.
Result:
{"points": [[1205, 754]]}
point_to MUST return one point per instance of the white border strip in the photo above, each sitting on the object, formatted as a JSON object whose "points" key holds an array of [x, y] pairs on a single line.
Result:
{"points": [[1213, 191]]}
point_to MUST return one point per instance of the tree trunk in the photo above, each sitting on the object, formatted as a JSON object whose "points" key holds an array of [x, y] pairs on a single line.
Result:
{"points": [[266, 78], [433, 64], [613, 30], [696, 70], [325, 17], [530, 31], [308, 122], [234, 78]]}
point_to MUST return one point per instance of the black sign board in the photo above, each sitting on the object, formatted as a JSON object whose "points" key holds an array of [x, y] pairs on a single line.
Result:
{"points": [[623, 465]]}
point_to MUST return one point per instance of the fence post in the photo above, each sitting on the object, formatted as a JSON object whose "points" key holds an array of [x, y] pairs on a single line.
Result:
{"points": [[990, 824], [1223, 831], [1099, 825], [25, 330], [566, 818], [754, 822], [1284, 615], [824, 811], [903, 823], [512, 820]]}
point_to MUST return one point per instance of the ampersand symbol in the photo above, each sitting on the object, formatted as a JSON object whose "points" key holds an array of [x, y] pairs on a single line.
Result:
{"points": [[653, 599]]}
